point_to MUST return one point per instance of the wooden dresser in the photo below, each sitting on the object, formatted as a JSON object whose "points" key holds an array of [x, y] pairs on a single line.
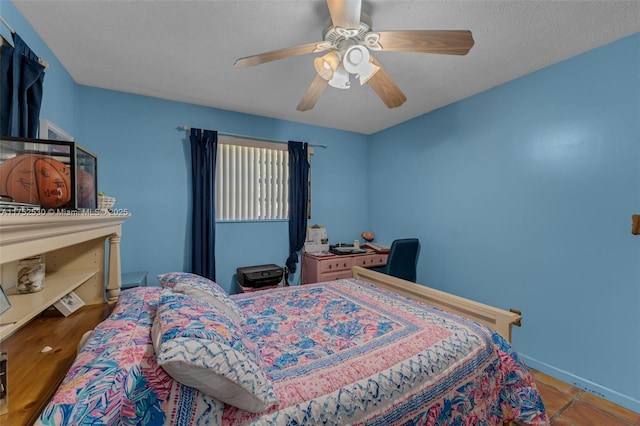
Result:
{"points": [[320, 268], [73, 247]]}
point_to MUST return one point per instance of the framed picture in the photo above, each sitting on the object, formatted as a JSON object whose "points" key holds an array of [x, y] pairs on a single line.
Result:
{"points": [[4, 302], [69, 303], [49, 130]]}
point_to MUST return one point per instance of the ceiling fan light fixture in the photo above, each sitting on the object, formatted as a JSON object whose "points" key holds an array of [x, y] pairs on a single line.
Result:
{"points": [[371, 71], [357, 60], [326, 65], [340, 78]]}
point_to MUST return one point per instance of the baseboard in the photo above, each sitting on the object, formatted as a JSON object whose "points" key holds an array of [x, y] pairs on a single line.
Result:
{"points": [[586, 385]]}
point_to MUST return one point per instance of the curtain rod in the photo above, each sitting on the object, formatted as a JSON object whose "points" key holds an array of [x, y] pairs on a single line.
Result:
{"points": [[7, 25], [234, 135]]}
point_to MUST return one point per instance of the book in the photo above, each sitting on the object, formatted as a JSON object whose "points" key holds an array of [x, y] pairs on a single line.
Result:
{"points": [[68, 304], [347, 250], [378, 248]]}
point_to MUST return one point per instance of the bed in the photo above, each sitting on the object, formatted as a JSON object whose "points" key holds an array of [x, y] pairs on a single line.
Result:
{"points": [[344, 352]]}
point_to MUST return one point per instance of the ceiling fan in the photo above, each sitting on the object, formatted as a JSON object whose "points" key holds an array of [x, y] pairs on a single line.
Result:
{"points": [[349, 40]]}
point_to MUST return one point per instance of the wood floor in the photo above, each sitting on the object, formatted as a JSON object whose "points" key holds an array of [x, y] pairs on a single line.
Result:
{"points": [[570, 406]]}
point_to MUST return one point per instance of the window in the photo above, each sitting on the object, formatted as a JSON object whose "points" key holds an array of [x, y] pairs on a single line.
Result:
{"points": [[252, 180]]}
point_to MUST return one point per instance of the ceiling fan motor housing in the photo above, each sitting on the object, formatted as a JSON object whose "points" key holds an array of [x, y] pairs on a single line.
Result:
{"points": [[334, 34]]}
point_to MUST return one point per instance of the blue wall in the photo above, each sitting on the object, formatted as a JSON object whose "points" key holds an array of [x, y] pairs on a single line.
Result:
{"points": [[143, 160], [522, 197]]}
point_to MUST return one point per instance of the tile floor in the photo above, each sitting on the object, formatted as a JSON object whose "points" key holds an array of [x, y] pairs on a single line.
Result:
{"points": [[569, 406]]}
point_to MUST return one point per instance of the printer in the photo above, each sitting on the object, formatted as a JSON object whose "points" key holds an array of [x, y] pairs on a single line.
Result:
{"points": [[259, 276]]}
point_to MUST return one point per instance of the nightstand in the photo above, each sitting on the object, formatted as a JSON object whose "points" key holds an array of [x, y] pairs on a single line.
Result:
{"points": [[134, 279]]}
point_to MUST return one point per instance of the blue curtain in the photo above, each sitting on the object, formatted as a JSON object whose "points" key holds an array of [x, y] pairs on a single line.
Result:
{"points": [[204, 149], [21, 78], [298, 195]]}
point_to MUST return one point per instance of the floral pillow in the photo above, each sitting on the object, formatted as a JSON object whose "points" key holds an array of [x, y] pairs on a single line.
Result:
{"points": [[204, 289], [207, 350]]}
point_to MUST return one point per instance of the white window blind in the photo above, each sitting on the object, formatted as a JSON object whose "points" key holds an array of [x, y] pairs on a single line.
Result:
{"points": [[252, 180]]}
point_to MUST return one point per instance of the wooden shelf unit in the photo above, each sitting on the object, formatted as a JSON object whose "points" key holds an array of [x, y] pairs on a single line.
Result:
{"points": [[73, 247], [74, 250], [57, 284]]}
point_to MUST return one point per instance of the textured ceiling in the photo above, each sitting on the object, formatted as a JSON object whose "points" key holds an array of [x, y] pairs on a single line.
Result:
{"points": [[185, 50]]}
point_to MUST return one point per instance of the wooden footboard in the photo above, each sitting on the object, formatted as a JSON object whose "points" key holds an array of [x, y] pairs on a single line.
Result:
{"points": [[495, 318]]}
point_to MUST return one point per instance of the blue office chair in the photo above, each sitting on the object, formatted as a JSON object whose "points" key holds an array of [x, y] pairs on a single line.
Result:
{"points": [[402, 260]]}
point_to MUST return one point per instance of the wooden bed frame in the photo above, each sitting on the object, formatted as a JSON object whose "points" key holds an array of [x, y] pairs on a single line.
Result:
{"points": [[495, 318]]}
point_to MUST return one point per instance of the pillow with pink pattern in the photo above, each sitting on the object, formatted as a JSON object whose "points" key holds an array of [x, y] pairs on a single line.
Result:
{"points": [[204, 289], [207, 350]]}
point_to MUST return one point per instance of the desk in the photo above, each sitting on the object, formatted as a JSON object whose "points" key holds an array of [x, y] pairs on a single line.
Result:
{"points": [[321, 268]]}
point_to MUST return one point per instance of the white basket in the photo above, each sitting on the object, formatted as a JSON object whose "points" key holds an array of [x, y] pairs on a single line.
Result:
{"points": [[105, 203]]}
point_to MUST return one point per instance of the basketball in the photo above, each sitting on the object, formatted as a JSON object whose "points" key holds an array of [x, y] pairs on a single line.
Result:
{"points": [[86, 190], [36, 179]]}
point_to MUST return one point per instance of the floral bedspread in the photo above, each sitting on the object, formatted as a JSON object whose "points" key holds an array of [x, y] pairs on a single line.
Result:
{"points": [[342, 353]]}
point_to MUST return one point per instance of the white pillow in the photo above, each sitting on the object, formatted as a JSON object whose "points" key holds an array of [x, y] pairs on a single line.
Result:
{"points": [[83, 340], [205, 349], [204, 289]]}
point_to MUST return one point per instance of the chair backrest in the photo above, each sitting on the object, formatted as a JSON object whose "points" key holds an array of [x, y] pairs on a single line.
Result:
{"points": [[403, 259]]}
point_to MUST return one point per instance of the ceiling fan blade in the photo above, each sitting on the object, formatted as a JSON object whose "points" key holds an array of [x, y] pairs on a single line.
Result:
{"points": [[313, 94], [345, 13], [386, 88], [453, 42], [279, 54]]}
